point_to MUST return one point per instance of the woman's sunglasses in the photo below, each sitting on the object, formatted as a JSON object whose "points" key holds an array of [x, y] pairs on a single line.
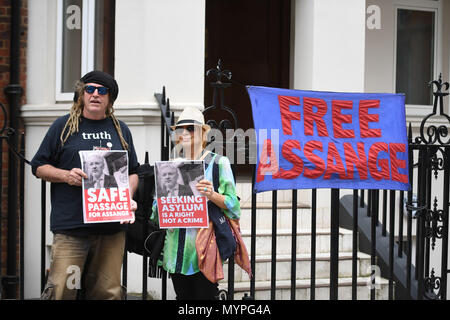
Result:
{"points": [[190, 128], [101, 90]]}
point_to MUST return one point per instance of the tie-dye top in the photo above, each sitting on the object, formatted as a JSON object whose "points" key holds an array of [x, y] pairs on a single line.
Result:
{"points": [[180, 255]]}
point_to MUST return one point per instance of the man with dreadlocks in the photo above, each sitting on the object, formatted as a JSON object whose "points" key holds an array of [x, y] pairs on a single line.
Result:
{"points": [[84, 256]]}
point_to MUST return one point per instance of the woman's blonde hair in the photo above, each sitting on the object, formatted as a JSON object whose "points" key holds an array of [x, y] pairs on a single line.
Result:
{"points": [[72, 124]]}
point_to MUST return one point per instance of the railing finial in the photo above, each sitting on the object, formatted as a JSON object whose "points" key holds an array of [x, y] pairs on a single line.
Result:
{"points": [[219, 73], [219, 88], [433, 134]]}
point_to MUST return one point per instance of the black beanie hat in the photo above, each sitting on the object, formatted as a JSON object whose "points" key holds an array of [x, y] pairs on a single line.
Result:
{"points": [[102, 78]]}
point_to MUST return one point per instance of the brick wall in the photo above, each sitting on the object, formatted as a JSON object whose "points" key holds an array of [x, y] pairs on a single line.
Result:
{"points": [[5, 35]]}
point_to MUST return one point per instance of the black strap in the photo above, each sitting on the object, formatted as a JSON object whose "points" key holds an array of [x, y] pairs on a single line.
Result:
{"points": [[215, 172], [224, 237], [215, 175]]}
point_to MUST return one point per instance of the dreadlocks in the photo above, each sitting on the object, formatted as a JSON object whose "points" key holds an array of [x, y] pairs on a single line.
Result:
{"points": [[76, 111]]}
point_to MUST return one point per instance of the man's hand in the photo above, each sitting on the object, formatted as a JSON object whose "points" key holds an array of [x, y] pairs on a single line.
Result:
{"points": [[75, 177], [52, 174], [133, 208]]}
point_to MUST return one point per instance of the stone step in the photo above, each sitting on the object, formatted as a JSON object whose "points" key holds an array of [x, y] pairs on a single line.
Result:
{"points": [[244, 191], [304, 196], [284, 218], [303, 291], [264, 241], [303, 267], [284, 205]]}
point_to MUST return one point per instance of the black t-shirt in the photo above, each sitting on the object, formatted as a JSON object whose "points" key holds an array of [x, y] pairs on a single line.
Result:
{"points": [[66, 200]]}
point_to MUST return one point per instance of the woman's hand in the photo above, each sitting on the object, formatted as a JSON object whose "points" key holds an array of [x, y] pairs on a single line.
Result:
{"points": [[205, 188]]}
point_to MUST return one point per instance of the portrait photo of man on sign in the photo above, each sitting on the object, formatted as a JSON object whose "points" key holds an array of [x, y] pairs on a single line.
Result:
{"points": [[95, 166], [170, 180]]}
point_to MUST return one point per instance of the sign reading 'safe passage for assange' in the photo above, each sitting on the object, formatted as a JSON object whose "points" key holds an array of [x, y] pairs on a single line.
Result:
{"points": [[180, 205], [106, 191], [311, 139]]}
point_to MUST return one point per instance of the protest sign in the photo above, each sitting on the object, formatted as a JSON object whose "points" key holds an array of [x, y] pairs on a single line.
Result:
{"points": [[312, 139], [180, 205], [106, 192]]}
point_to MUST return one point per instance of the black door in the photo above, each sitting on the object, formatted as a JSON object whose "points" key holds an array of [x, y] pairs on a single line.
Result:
{"points": [[252, 39]]}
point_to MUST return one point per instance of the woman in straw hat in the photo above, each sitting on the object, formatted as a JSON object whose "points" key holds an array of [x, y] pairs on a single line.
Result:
{"points": [[193, 256]]}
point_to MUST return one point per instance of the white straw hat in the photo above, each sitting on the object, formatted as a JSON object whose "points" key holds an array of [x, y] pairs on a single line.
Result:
{"points": [[191, 116]]}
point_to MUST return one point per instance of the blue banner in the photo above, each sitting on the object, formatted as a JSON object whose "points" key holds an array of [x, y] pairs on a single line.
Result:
{"points": [[312, 139]]}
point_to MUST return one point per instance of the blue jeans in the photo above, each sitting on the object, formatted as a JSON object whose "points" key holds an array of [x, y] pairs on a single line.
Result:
{"points": [[91, 263]]}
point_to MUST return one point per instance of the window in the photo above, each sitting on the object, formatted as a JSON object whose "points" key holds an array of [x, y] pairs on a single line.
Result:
{"points": [[85, 42], [418, 45], [415, 55]]}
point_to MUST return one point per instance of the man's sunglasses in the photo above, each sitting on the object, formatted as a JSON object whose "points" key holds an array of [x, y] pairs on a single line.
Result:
{"points": [[101, 90], [190, 128]]}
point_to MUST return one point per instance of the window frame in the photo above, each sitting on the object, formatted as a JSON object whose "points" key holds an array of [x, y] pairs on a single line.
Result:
{"points": [[87, 44], [428, 6]]}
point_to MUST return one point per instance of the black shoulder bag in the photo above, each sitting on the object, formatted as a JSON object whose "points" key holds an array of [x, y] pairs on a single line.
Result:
{"points": [[143, 233], [224, 236]]}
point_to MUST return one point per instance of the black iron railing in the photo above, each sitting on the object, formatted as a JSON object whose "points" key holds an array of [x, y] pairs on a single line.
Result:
{"points": [[409, 274], [407, 262]]}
